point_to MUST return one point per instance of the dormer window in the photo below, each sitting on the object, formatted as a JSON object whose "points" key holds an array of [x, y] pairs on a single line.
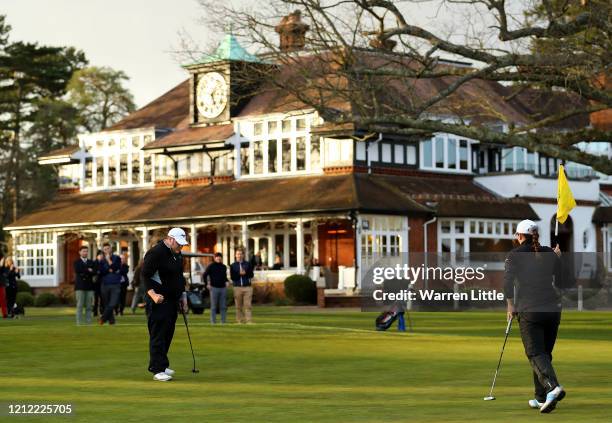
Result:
{"points": [[278, 146], [446, 153]]}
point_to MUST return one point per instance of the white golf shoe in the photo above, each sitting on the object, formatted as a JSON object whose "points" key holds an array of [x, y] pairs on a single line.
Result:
{"points": [[162, 377], [552, 398], [169, 372], [534, 403]]}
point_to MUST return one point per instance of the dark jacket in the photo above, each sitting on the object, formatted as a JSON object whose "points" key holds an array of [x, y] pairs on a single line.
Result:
{"points": [[3, 276], [125, 269], [217, 273], [12, 278], [162, 271], [533, 274], [238, 280], [109, 273], [84, 277]]}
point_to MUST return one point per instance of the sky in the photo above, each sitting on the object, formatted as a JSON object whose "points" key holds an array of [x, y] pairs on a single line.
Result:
{"points": [[139, 36], [136, 36]]}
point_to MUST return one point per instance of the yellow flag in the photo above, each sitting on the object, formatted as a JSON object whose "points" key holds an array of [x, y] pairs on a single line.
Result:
{"points": [[565, 199]]}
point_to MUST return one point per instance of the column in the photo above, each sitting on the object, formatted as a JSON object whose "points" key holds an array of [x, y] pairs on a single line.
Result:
{"points": [[56, 266], [193, 233], [271, 250], [357, 233], [145, 240], [224, 249], [245, 239], [299, 232], [99, 239], [286, 247]]}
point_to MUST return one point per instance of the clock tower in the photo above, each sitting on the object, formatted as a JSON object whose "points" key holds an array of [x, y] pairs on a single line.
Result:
{"points": [[221, 83]]}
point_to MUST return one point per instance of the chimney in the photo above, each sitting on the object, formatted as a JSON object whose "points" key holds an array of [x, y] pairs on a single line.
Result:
{"points": [[292, 32]]}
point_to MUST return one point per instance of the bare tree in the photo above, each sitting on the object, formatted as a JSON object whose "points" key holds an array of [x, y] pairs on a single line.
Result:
{"points": [[537, 69]]}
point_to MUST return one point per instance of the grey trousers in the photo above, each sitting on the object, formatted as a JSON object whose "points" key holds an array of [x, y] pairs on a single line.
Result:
{"points": [[218, 302], [84, 300]]}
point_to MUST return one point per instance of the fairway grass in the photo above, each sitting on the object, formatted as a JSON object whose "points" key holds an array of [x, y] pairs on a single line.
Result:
{"points": [[302, 365]]}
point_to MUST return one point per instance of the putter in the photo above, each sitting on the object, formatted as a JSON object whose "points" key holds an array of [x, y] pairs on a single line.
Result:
{"points": [[194, 370], [491, 397]]}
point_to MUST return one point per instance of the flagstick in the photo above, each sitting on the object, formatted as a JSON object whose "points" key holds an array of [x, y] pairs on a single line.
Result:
{"points": [[556, 228]]}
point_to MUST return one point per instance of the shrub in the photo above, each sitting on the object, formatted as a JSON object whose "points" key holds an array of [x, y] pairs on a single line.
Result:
{"points": [[229, 297], [23, 286], [24, 299], [301, 289], [65, 295], [45, 299]]}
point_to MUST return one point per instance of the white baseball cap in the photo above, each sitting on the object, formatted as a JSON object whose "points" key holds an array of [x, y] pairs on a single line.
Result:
{"points": [[526, 227], [179, 235]]}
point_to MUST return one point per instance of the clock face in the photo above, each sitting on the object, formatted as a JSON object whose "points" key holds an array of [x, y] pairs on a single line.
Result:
{"points": [[211, 94]]}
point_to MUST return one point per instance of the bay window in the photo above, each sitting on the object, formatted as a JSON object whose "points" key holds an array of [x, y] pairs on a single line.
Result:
{"points": [[446, 153], [279, 146]]}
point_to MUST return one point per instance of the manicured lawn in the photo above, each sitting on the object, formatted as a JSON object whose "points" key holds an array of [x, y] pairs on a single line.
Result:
{"points": [[302, 365]]}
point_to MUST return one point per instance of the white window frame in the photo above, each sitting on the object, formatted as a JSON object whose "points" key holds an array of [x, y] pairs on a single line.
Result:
{"points": [[483, 228], [247, 134], [28, 250], [445, 169], [89, 142]]}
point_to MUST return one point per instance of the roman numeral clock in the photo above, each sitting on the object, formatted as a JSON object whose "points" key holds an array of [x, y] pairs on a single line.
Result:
{"points": [[211, 94]]}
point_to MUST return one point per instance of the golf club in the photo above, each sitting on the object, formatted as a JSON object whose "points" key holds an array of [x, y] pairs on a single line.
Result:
{"points": [[194, 370], [491, 397]]}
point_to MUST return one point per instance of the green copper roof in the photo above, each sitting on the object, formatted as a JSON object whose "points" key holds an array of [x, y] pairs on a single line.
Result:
{"points": [[229, 49]]}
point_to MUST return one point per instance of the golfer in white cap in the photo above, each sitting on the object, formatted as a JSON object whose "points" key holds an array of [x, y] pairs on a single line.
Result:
{"points": [[162, 274], [536, 270]]}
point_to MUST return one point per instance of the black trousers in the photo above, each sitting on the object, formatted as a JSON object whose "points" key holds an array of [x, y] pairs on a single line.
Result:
{"points": [[110, 295], [539, 333], [98, 300], [161, 319], [11, 296]]}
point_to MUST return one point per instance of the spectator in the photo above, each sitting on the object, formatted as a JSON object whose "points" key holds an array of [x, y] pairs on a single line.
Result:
{"points": [[278, 262], [3, 283], [125, 282], [85, 270], [12, 276], [110, 273], [241, 273], [256, 262], [138, 287], [97, 280], [217, 272]]}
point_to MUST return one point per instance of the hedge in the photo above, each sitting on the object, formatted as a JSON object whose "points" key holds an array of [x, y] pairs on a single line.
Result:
{"points": [[301, 289], [24, 299], [45, 299]]}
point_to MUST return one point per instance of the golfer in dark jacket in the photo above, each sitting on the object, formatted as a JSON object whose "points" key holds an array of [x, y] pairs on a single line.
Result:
{"points": [[534, 268], [162, 274], [217, 272], [110, 273], [85, 270]]}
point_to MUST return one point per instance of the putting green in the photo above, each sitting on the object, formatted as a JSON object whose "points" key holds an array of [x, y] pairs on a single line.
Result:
{"points": [[302, 365]]}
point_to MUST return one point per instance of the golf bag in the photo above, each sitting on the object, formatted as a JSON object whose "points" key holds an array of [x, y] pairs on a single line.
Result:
{"points": [[386, 319], [198, 298]]}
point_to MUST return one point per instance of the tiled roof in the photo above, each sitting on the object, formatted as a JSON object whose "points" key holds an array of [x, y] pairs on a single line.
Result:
{"points": [[168, 111], [193, 136], [60, 152], [308, 194]]}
